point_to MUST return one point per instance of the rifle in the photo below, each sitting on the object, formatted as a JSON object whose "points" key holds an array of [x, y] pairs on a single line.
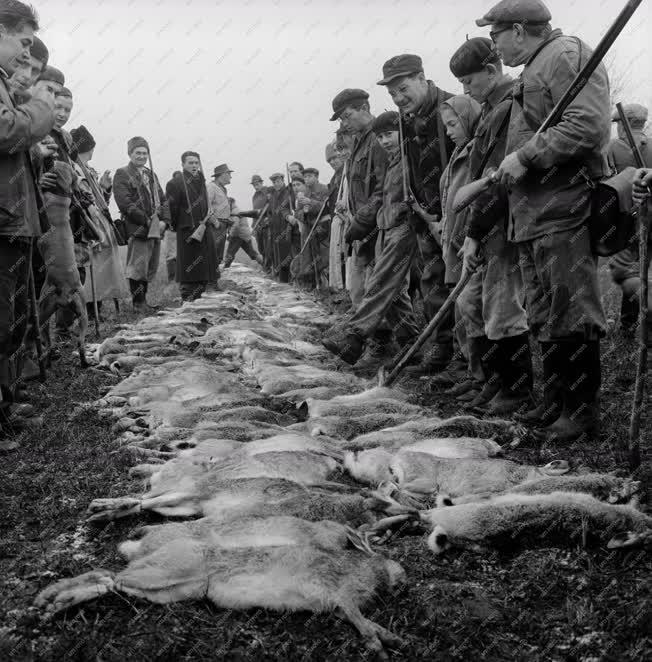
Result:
{"points": [[641, 368], [262, 213], [467, 194], [198, 234], [154, 231]]}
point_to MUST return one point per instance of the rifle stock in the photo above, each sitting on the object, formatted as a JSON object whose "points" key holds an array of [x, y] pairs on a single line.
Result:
{"points": [[469, 192]]}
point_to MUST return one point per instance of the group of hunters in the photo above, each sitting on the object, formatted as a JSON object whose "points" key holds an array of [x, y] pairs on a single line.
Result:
{"points": [[385, 229]]}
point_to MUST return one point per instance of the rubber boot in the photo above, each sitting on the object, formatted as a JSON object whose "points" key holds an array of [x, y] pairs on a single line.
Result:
{"points": [[515, 369], [580, 418], [553, 357]]}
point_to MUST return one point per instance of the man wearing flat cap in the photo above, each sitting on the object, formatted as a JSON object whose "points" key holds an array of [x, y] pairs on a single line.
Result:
{"points": [[239, 231], [428, 150], [365, 174], [549, 177], [144, 208], [20, 221], [624, 265]]}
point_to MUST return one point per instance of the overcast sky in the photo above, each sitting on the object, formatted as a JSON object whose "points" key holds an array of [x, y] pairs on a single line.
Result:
{"points": [[250, 82]]}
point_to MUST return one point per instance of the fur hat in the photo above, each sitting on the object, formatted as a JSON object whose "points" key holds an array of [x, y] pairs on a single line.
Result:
{"points": [[135, 143], [82, 139]]}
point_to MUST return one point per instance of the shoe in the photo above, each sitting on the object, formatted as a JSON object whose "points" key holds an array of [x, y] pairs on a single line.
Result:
{"points": [[435, 360], [471, 394], [347, 345], [456, 371], [461, 387], [546, 413], [581, 377], [488, 391], [377, 349]]}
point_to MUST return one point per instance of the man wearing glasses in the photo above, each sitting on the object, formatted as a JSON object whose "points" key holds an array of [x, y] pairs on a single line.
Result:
{"points": [[549, 177]]}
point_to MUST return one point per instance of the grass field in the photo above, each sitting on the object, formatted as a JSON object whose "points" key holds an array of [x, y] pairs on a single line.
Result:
{"points": [[544, 603]]}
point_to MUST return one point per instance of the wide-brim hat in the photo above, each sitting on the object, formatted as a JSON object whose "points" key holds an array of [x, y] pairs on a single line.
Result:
{"points": [[221, 169]]}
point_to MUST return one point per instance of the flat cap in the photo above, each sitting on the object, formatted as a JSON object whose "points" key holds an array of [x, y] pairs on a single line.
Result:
{"points": [[256, 178], [387, 121], [346, 98], [399, 66], [516, 11], [64, 92], [634, 112], [221, 169], [311, 171], [473, 56], [135, 143], [39, 51], [52, 74], [277, 175]]}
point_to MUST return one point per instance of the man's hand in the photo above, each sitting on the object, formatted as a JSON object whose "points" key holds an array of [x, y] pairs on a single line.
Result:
{"points": [[291, 220], [44, 92], [105, 180], [423, 214], [641, 185], [469, 255], [435, 230], [302, 200], [510, 170], [340, 208], [48, 181], [48, 147]]}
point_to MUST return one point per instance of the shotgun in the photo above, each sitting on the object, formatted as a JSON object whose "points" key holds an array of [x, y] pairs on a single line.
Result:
{"points": [[641, 368], [467, 194]]}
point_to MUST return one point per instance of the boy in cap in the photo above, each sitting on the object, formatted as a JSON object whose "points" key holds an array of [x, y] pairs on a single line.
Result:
{"points": [[428, 150], [549, 178], [493, 300], [364, 178], [386, 296], [141, 202], [258, 202], [337, 246], [624, 265], [21, 127]]}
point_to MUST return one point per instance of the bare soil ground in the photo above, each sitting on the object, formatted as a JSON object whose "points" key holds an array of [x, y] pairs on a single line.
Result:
{"points": [[541, 603]]}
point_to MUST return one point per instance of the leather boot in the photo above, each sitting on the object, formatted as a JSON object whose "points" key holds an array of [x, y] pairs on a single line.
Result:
{"points": [[515, 369], [377, 348], [580, 417], [489, 361], [469, 388], [553, 357], [347, 344]]}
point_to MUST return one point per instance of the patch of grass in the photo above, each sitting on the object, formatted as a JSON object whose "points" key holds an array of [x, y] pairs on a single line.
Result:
{"points": [[534, 604]]}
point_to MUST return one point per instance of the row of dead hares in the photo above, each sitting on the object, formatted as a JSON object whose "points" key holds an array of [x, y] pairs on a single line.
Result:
{"points": [[292, 497]]}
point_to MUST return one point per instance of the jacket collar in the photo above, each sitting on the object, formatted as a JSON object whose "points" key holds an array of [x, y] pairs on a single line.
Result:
{"points": [[502, 91], [551, 37], [431, 102]]}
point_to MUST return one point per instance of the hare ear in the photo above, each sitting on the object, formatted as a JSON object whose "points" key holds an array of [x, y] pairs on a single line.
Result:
{"points": [[631, 539], [556, 468], [358, 541]]}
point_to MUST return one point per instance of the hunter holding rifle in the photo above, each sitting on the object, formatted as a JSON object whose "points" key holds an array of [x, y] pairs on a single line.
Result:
{"points": [[140, 199], [192, 217], [549, 177], [492, 302]]}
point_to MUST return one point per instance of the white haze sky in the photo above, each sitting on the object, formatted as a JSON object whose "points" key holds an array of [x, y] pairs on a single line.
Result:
{"points": [[250, 83]]}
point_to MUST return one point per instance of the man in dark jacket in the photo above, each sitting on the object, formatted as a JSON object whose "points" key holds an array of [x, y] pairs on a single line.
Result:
{"points": [[624, 265], [549, 177], [189, 207], [20, 222], [428, 151], [280, 231], [493, 298], [365, 174], [141, 202], [258, 202]]}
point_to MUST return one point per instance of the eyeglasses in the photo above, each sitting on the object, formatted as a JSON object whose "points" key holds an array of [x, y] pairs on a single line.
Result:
{"points": [[497, 32]]}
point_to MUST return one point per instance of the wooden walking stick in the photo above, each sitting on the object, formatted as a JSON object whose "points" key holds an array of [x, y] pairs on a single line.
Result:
{"points": [[37, 327], [641, 368]]}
